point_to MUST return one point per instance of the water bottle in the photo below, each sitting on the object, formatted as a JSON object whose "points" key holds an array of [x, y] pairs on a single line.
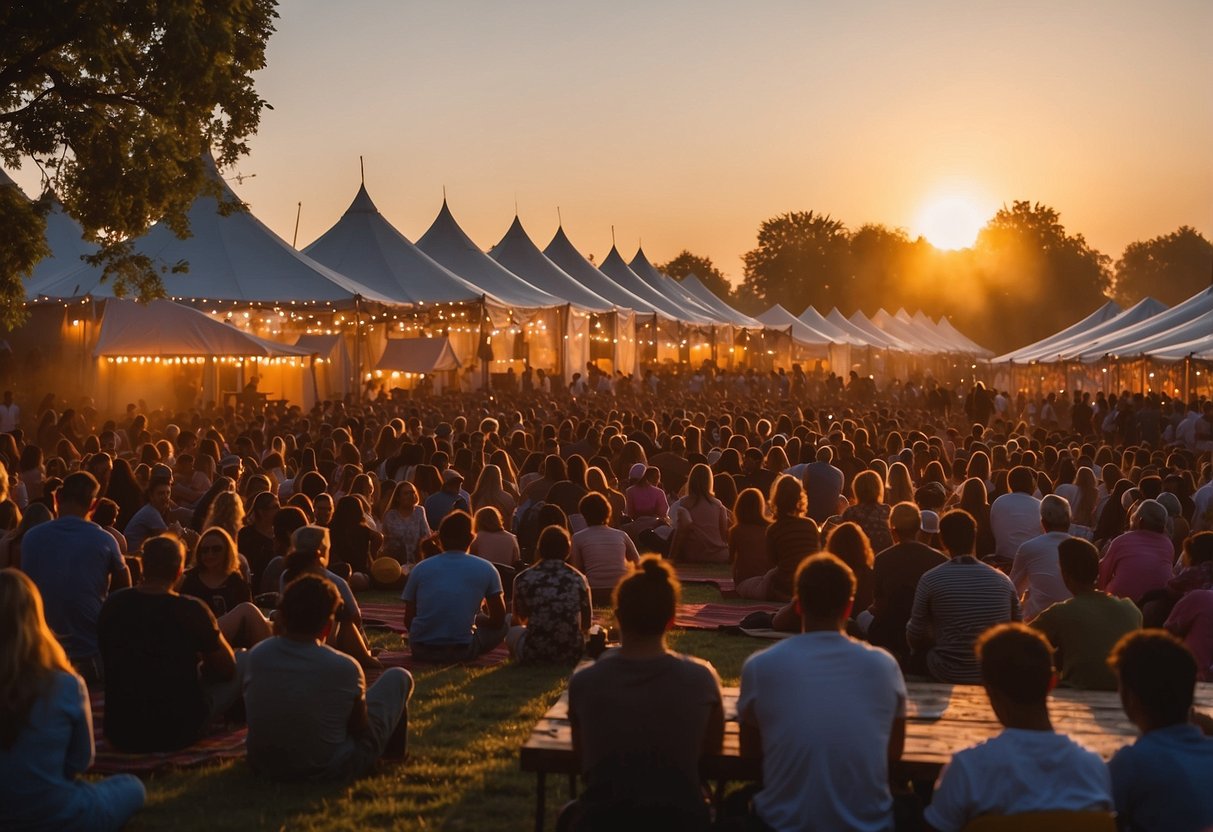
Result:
{"points": [[596, 643]]}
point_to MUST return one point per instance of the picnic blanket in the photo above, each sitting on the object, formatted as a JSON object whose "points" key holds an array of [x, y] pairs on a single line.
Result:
{"points": [[384, 615], [715, 616], [403, 658], [223, 743], [712, 574]]}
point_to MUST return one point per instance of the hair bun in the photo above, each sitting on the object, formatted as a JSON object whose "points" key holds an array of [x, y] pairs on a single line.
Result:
{"points": [[655, 567]]}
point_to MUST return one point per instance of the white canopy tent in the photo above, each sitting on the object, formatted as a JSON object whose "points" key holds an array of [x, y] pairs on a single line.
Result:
{"points": [[692, 284], [614, 267], [862, 328], [668, 287], [1127, 341], [162, 328], [1151, 346], [967, 344], [518, 253], [1049, 346], [927, 332], [564, 254], [418, 355], [906, 333], [813, 319]]}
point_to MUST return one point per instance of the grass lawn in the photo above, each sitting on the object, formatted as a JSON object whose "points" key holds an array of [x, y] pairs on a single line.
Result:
{"points": [[466, 726]]}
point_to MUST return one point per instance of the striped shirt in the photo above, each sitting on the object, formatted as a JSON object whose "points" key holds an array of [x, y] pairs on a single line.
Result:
{"points": [[789, 541], [955, 603]]}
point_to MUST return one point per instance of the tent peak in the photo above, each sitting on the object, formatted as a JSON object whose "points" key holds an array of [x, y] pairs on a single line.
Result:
{"points": [[362, 204]]}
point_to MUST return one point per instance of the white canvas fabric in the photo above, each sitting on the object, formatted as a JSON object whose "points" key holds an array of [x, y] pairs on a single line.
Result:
{"points": [[779, 318], [1046, 346], [164, 328], [1132, 340], [813, 319], [926, 330], [862, 328], [564, 254], [905, 332], [1055, 347], [668, 287], [967, 344], [418, 355], [518, 253], [615, 268], [724, 312]]}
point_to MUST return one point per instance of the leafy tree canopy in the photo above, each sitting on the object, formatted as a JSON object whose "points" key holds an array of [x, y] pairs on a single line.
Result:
{"points": [[117, 101], [801, 259], [1170, 268], [687, 263]]}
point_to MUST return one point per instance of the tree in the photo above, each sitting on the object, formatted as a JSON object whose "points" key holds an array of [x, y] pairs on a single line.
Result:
{"points": [[117, 102], [1170, 268], [703, 268], [1029, 277], [800, 259]]}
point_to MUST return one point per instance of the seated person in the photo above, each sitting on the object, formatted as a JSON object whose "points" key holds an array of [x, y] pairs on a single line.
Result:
{"points": [[310, 716], [1028, 767], [168, 669], [825, 756], [643, 716], [895, 576], [1162, 780], [1084, 629], [551, 605], [216, 581], [309, 555], [443, 598], [46, 729], [605, 555]]}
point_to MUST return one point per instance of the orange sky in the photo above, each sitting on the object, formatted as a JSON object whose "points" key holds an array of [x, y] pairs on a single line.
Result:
{"points": [[686, 124]]}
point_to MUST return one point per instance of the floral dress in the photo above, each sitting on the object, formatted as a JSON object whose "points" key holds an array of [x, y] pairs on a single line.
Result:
{"points": [[556, 596], [402, 535]]}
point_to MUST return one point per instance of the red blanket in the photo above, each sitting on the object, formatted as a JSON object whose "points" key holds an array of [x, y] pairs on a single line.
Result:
{"points": [[715, 616], [390, 615], [224, 743], [713, 574]]}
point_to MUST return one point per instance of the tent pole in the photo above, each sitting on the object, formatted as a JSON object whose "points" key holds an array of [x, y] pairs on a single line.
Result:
{"points": [[358, 348]]}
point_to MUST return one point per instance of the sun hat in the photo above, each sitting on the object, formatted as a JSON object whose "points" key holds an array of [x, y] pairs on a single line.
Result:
{"points": [[930, 522]]}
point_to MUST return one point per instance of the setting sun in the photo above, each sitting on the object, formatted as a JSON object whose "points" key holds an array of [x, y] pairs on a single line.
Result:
{"points": [[950, 222]]}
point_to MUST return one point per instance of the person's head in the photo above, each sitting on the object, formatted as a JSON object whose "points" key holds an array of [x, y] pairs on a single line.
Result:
{"points": [[868, 488], [1078, 560], [1149, 516], [1022, 479], [159, 494], [488, 519], [307, 606], [77, 493], [452, 481], [311, 541], [850, 544], [750, 508], [825, 590], [1157, 677], [905, 519], [286, 521], [645, 599], [163, 559], [29, 652], [788, 497], [349, 513], [1055, 514], [455, 531], [699, 482], [105, 512], [595, 509], [554, 544], [958, 533], [1016, 667], [216, 552], [264, 506], [324, 508], [1198, 549], [405, 496]]}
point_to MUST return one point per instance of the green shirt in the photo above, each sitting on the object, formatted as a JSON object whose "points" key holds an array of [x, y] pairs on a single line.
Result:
{"points": [[1084, 629]]}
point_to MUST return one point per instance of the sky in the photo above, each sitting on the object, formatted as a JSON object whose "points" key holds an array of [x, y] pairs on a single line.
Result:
{"points": [[686, 124]]}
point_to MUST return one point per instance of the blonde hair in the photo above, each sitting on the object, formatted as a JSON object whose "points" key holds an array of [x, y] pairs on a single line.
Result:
{"points": [[29, 653], [231, 559], [488, 519], [226, 512]]}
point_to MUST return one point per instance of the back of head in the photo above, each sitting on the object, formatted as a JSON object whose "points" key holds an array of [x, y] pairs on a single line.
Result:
{"points": [[1022, 479], [595, 509], [1016, 663], [1079, 562], [310, 540], [1151, 516], [905, 519], [163, 557], [787, 497], [646, 598], [307, 604], [1157, 671], [825, 587], [554, 544], [78, 491], [455, 531], [958, 532], [1055, 513]]}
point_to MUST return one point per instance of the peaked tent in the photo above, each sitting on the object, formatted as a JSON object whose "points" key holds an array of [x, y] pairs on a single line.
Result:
{"points": [[564, 254], [418, 355], [712, 301], [615, 268], [806, 340], [365, 246], [1128, 339], [233, 258], [1140, 311], [813, 319], [163, 328], [447, 243], [1045, 346], [64, 238], [668, 287], [904, 332], [862, 328], [922, 325], [518, 253], [946, 329]]}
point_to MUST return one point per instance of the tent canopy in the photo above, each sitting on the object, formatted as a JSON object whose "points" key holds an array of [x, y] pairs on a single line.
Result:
{"points": [[709, 299], [518, 253], [365, 246], [813, 319], [862, 328], [614, 267], [564, 254], [447, 243], [164, 328], [418, 355], [1130, 340], [905, 332], [779, 318], [668, 287], [966, 344], [1047, 346]]}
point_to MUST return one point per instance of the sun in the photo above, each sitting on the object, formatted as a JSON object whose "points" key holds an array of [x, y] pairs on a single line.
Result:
{"points": [[950, 222]]}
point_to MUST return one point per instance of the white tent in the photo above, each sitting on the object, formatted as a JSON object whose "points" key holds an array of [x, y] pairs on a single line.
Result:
{"points": [[862, 328], [1199, 348], [779, 318], [723, 311], [166, 329], [967, 344], [447, 243], [813, 319], [926, 330], [365, 246], [334, 368], [615, 268], [518, 253], [418, 355], [1047, 346], [1195, 329], [668, 287], [905, 332], [1128, 341], [564, 254], [64, 238], [233, 258]]}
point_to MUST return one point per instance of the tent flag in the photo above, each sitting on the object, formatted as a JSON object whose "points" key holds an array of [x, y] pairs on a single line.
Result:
{"points": [[162, 328], [418, 355]]}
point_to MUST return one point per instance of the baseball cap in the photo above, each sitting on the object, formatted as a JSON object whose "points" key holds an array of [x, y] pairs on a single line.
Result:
{"points": [[451, 475], [636, 472], [930, 522]]}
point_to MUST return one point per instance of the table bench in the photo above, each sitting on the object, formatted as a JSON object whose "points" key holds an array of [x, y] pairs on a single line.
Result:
{"points": [[941, 719]]}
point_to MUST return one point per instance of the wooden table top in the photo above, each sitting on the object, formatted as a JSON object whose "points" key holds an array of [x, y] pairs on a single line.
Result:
{"points": [[941, 720]]}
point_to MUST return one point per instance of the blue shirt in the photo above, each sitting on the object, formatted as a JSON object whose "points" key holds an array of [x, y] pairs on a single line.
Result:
{"points": [[1163, 781], [71, 560], [441, 503], [447, 590]]}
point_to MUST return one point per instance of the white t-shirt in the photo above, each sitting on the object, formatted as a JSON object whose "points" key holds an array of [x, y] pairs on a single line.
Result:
{"points": [[1202, 501], [1036, 571], [1014, 520], [824, 705], [10, 417], [1019, 771]]}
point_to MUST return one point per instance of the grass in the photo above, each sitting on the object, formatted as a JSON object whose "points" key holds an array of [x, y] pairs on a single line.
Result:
{"points": [[466, 726]]}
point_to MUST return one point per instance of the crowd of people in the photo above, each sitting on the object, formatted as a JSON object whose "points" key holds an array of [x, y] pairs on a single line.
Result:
{"points": [[197, 567]]}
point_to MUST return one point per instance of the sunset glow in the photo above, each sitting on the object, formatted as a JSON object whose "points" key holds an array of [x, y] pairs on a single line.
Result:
{"points": [[950, 222]]}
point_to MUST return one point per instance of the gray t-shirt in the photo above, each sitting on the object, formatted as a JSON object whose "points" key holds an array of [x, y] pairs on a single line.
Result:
{"points": [[641, 726], [298, 697]]}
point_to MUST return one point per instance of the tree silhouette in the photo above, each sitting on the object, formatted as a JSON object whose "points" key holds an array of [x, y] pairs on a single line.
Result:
{"points": [[702, 267], [1169, 268], [801, 259]]}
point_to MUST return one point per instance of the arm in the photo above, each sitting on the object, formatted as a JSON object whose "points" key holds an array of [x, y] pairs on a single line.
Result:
{"points": [[629, 550], [120, 573], [80, 745], [918, 631], [219, 663], [751, 741], [496, 609], [358, 724], [897, 739]]}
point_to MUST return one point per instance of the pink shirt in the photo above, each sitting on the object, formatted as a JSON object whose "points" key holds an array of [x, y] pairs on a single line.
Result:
{"points": [[646, 501], [1136, 563], [1192, 620], [603, 554]]}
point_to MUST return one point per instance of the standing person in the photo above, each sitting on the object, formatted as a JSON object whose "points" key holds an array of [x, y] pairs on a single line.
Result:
{"points": [[551, 605], [1015, 517], [603, 554], [1028, 767], [443, 598], [153, 642], [895, 575], [1161, 781], [1085, 628], [1035, 571], [75, 564], [955, 603], [310, 716], [404, 525], [46, 729], [825, 757], [643, 717]]}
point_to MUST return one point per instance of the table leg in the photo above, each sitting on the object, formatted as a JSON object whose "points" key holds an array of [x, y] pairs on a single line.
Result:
{"points": [[540, 795]]}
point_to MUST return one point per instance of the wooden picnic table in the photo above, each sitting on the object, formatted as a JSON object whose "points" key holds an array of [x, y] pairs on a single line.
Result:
{"points": [[941, 719]]}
